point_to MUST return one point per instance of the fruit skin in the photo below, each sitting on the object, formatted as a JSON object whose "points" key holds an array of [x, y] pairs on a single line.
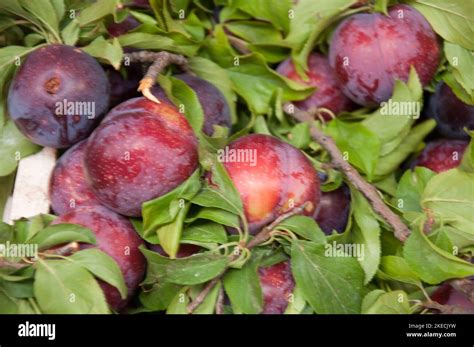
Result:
{"points": [[185, 250], [116, 237], [334, 209], [380, 50], [277, 284], [451, 114], [447, 295], [50, 75], [281, 172], [140, 151], [214, 105], [124, 88], [442, 155], [321, 75], [118, 29], [69, 189]]}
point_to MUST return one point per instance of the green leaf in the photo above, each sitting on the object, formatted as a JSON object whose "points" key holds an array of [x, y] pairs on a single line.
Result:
{"points": [[379, 302], [60, 234], [64, 287], [164, 209], [172, 42], [397, 269], [305, 227], [6, 186], [209, 303], [70, 33], [179, 303], [198, 268], [390, 162], [108, 52], [275, 12], [45, 12], [216, 215], [96, 11], [13, 146], [102, 266], [206, 232], [159, 296], [243, 288], [467, 163], [257, 84], [392, 120], [329, 285], [452, 20], [411, 187], [310, 19], [183, 96], [366, 233], [432, 264], [221, 193], [449, 196], [356, 142], [461, 61], [170, 234]]}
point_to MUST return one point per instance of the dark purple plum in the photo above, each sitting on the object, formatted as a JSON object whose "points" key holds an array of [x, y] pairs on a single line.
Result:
{"points": [[442, 155], [118, 29], [334, 209], [140, 151], [320, 74], [277, 284], [451, 114], [369, 51], [69, 189], [447, 295], [214, 105], [124, 86], [116, 237], [58, 96]]}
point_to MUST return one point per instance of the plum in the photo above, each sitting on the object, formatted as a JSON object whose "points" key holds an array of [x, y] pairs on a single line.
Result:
{"points": [[442, 155], [447, 295], [58, 96], [277, 284], [69, 188], [370, 51], [116, 237], [451, 114], [214, 105], [334, 209], [117, 29], [123, 87], [185, 250], [321, 75], [140, 151], [271, 177]]}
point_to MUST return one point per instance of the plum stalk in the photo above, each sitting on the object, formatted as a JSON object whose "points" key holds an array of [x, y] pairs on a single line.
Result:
{"points": [[400, 230]]}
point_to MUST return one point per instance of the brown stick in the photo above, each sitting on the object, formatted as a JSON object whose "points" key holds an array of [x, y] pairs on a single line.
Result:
{"points": [[401, 231], [159, 61], [5, 264], [220, 301], [260, 238]]}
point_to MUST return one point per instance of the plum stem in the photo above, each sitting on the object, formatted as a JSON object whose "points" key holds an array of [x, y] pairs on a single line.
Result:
{"points": [[220, 301], [260, 238], [401, 231], [159, 60]]}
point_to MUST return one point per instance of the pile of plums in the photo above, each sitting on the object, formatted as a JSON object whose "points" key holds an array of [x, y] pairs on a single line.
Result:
{"points": [[139, 150]]}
